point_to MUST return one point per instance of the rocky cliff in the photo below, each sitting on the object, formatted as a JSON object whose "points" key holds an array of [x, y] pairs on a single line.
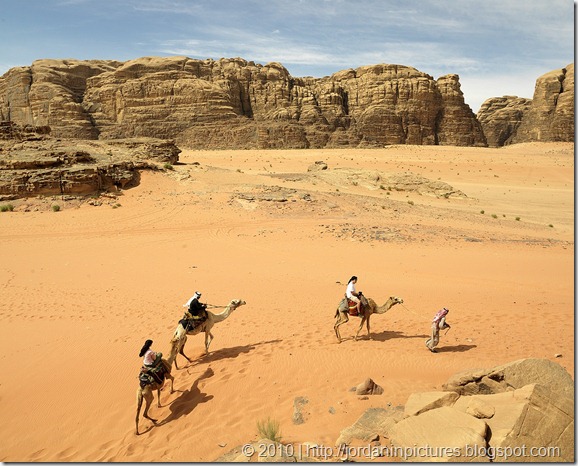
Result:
{"points": [[33, 163], [234, 103], [549, 116]]}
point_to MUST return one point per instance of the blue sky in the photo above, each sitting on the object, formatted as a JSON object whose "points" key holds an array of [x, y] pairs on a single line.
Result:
{"points": [[497, 47]]}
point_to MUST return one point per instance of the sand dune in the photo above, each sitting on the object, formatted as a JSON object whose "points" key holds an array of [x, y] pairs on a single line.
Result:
{"points": [[84, 287]]}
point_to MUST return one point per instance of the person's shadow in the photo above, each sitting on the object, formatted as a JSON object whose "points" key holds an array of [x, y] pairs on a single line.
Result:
{"points": [[188, 400], [455, 348]]}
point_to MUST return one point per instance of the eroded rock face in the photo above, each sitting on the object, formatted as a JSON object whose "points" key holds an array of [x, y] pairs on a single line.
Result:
{"points": [[501, 117], [549, 116], [234, 103], [32, 163]]}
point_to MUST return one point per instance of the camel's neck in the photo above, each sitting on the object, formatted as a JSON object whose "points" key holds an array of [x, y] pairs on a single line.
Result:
{"points": [[172, 355], [223, 315], [386, 306]]}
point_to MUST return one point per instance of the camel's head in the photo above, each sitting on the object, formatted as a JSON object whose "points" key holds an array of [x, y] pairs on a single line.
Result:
{"points": [[396, 300], [235, 303]]}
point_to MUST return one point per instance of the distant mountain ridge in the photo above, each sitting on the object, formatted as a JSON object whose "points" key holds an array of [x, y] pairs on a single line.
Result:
{"points": [[237, 104]]}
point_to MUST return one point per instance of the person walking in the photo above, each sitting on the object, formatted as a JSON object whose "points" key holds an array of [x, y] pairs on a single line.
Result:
{"points": [[438, 323]]}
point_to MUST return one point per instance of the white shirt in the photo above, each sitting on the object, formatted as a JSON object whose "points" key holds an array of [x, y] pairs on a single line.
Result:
{"points": [[350, 288], [149, 357]]}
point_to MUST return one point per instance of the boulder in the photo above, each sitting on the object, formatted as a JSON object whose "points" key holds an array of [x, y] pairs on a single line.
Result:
{"points": [[527, 424], [510, 376], [374, 421], [443, 434], [479, 408], [368, 387], [418, 403]]}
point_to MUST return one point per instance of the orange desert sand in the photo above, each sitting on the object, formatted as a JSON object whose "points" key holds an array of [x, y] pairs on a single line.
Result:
{"points": [[83, 288]]}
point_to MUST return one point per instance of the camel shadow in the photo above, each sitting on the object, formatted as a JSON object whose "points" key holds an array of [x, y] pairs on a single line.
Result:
{"points": [[384, 336], [391, 334], [228, 353], [188, 400], [455, 348]]}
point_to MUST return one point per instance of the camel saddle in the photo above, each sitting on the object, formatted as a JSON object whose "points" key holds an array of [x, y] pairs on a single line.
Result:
{"points": [[190, 323], [154, 373], [352, 305]]}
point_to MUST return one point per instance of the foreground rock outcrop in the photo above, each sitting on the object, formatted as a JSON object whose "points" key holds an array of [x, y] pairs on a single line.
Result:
{"points": [[525, 415], [234, 103], [521, 411], [33, 163], [549, 116]]}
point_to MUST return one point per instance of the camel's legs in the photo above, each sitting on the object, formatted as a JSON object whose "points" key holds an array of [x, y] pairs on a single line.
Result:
{"points": [[363, 319], [208, 339], [341, 319], [182, 351], [172, 379], [138, 406], [368, 334], [148, 397]]}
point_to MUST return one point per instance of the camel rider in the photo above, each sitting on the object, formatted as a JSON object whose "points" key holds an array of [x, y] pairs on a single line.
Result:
{"points": [[151, 363], [197, 311], [438, 323], [352, 294]]}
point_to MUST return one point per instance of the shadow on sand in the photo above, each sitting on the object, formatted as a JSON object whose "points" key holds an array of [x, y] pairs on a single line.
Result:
{"points": [[384, 336], [188, 400], [227, 353], [455, 348]]}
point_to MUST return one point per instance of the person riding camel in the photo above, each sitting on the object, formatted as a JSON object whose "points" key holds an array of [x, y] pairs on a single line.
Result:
{"points": [[197, 311], [152, 370], [352, 294]]}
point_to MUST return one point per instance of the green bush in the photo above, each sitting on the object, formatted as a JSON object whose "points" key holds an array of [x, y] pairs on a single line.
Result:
{"points": [[55, 208], [269, 429], [6, 208]]}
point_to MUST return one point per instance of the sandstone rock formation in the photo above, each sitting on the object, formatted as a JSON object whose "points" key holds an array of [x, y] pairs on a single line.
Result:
{"points": [[234, 103], [520, 411], [375, 421], [501, 117], [516, 374], [32, 163], [549, 116]]}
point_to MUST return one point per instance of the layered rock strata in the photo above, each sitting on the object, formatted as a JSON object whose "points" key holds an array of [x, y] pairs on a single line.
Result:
{"points": [[234, 103], [36, 164], [548, 117]]}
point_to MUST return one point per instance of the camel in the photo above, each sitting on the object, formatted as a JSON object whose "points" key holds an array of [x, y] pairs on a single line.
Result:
{"points": [[368, 307], [147, 391], [180, 336]]}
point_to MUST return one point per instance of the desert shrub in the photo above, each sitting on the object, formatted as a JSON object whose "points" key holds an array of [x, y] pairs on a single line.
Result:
{"points": [[518, 219], [6, 208], [55, 208], [494, 216], [269, 429], [168, 166], [482, 211]]}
